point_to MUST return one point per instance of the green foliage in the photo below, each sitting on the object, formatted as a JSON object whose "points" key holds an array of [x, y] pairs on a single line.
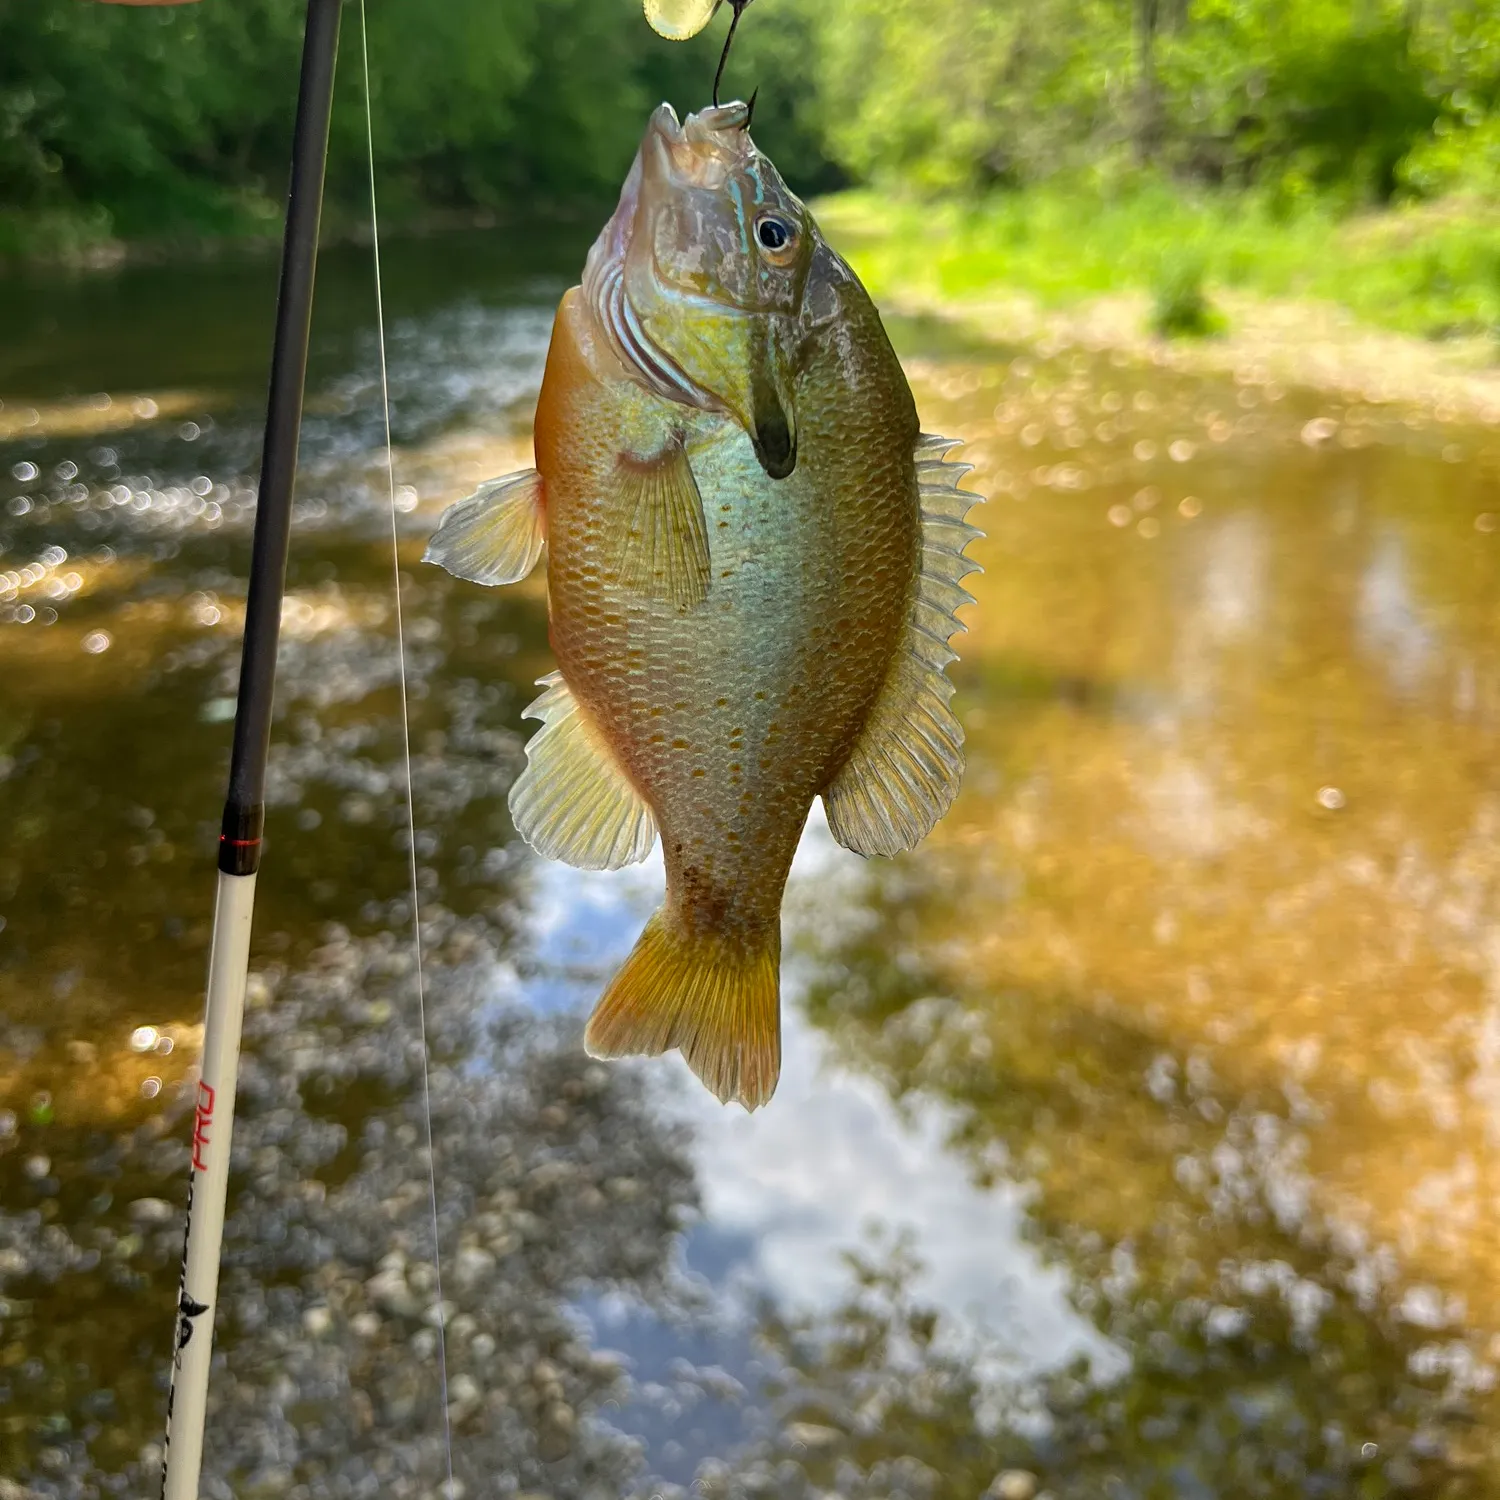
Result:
{"points": [[956, 95], [1457, 157], [180, 118], [1297, 96], [1114, 115], [1426, 269], [1181, 308], [147, 113], [1330, 93]]}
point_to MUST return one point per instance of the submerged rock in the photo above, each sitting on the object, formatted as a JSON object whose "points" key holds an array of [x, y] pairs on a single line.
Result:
{"points": [[329, 1313]]}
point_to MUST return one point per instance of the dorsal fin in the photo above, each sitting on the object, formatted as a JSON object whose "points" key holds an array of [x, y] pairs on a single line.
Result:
{"points": [[905, 768]]}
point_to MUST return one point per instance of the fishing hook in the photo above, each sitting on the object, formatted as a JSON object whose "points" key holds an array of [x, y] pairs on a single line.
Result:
{"points": [[738, 7]]}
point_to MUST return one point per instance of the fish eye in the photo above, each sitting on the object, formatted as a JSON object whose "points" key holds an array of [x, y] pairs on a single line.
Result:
{"points": [[775, 234]]}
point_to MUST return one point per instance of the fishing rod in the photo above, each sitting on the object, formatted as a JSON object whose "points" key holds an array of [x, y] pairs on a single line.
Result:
{"points": [[242, 827], [244, 807]]}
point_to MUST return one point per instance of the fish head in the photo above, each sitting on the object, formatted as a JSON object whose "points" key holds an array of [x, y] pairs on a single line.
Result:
{"points": [[700, 275]]}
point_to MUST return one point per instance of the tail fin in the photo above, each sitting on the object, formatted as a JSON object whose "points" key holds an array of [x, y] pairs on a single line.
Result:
{"points": [[719, 1003]]}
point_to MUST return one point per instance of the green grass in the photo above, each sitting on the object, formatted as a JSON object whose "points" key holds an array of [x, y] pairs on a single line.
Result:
{"points": [[64, 234], [1181, 307], [167, 217], [1432, 270]]}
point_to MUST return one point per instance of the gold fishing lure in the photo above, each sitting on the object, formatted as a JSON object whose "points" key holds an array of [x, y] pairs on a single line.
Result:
{"points": [[677, 20], [754, 562]]}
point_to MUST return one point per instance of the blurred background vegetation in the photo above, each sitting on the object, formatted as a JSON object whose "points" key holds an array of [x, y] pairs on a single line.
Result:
{"points": [[1058, 134]]}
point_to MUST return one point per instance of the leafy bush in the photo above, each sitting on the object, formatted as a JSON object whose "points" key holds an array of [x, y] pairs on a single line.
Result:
{"points": [[1461, 155], [1180, 306], [1300, 96], [180, 118]]}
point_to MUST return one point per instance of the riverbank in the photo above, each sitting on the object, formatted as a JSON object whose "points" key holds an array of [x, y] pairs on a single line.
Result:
{"points": [[1397, 305], [1431, 269], [1402, 305], [85, 240]]}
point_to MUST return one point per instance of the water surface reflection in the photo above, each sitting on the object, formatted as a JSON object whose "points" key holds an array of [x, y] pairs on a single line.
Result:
{"points": [[1137, 1135]]}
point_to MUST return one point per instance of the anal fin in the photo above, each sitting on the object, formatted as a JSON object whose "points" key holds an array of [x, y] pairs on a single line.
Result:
{"points": [[573, 802], [906, 766], [660, 537], [496, 535]]}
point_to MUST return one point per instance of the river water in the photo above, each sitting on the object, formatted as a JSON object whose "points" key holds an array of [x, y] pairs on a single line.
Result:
{"points": [[1138, 1134]]}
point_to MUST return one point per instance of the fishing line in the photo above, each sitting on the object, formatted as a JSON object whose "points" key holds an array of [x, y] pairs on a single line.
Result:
{"points": [[411, 814]]}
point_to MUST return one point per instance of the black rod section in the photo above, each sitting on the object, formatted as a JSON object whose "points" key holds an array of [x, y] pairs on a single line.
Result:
{"points": [[244, 810]]}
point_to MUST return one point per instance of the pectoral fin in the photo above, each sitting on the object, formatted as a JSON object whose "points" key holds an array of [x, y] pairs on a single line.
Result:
{"points": [[660, 536], [496, 535], [904, 771]]}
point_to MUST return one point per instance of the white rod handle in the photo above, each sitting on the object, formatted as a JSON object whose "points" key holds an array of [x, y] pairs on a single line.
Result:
{"points": [[213, 1122]]}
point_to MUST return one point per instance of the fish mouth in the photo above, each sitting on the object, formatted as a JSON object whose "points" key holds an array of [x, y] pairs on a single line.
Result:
{"points": [[664, 126], [673, 157], [721, 127], [700, 152]]}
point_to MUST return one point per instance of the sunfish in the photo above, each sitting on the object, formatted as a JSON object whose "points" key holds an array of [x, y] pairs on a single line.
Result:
{"points": [[754, 560]]}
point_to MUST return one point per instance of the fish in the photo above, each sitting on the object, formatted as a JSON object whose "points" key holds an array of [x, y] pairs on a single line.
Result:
{"points": [[755, 559]]}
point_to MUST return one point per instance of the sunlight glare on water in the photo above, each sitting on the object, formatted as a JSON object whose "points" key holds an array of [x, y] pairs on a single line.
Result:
{"points": [[1137, 1135]]}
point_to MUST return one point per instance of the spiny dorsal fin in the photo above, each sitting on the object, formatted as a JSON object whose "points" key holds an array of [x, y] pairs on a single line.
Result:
{"points": [[573, 802], [660, 536], [904, 771], [496, 535]]}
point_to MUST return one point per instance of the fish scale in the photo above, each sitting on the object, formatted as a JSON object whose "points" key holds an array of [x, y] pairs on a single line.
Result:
{"points": [[740, 711]]}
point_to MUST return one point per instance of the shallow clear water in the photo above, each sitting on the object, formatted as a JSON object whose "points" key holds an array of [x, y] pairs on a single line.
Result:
{"points": [[1137, 1135]]}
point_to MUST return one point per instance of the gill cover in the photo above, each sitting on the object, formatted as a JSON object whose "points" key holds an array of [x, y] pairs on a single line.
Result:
{"points": [[698, 278]]}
